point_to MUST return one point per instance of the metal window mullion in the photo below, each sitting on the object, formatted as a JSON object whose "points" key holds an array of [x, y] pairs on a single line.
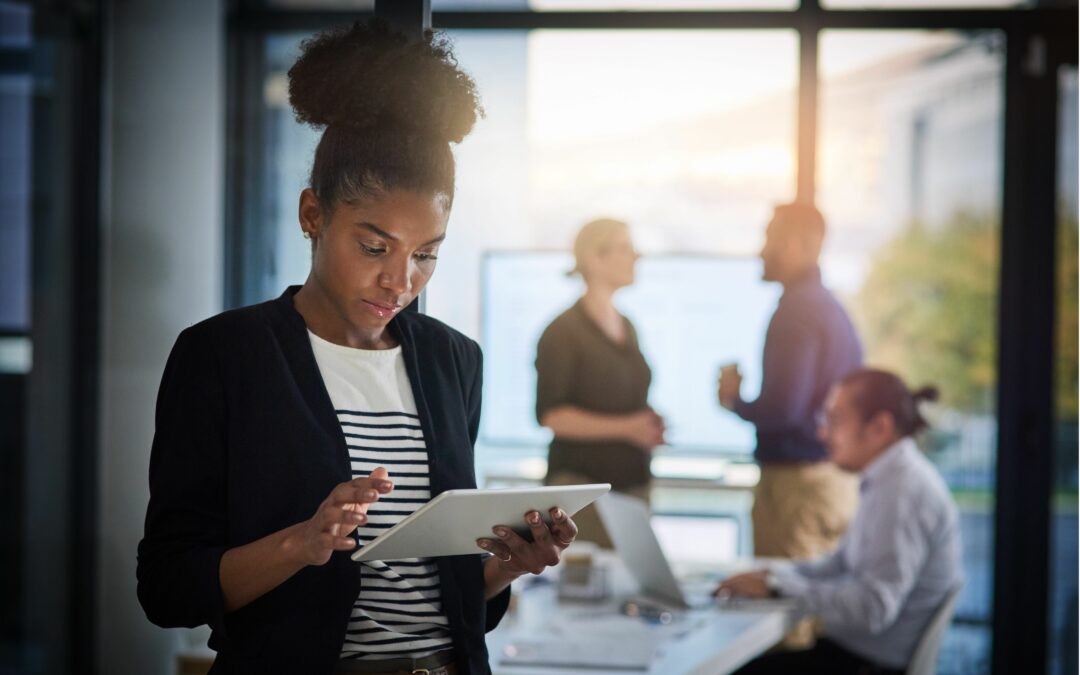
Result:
{"points": [[1025, 357], [808, 102]]}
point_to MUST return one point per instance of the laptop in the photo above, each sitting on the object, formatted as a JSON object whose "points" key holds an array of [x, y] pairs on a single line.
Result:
{"points": [[617, 642], [628, 521]]}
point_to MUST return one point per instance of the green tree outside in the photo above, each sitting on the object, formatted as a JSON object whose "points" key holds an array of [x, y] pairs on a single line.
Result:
{"points": [[928, 309]]}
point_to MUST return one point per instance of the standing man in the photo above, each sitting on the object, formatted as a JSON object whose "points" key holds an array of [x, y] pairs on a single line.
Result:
{"points": [[802, 503]]}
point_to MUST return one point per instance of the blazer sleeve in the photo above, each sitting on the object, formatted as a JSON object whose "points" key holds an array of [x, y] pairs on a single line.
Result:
{"points": [[186, 526], [496, 608]]}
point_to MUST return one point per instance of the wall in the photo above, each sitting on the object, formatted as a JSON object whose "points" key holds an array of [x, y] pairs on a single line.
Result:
{"points": [[162, 245]]}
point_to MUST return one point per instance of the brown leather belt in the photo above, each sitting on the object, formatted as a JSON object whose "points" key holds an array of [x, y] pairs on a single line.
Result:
{"points": [[439, 663]]}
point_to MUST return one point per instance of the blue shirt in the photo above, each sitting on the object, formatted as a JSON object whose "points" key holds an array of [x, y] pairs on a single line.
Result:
{"points": [[810, 345], [893, 568]]}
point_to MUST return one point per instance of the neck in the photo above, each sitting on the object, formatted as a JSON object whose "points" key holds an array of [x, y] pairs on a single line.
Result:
{"points": [[882, 448], [597, 301], [799, 274], [326, 320]]}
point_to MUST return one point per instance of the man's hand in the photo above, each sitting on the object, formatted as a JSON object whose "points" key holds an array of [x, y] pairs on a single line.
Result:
{"points": [[729, 385], [748, 585]]}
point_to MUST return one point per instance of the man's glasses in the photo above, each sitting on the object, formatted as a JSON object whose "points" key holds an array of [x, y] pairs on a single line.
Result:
{"points": [[826, 420]]}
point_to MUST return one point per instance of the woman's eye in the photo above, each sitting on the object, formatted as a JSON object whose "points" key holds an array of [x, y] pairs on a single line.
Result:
{"points": [[372, 250], [426, 257]]}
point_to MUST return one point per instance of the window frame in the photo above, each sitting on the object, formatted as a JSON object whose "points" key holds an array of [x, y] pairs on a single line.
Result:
{"points": [[1038, 40]]}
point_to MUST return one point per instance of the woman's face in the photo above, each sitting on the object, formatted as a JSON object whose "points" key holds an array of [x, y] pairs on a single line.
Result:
{"points": [[613, 263], [372, 257]]}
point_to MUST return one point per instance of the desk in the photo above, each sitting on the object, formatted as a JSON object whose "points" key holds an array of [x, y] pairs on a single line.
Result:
{"points": [[709, 641]]}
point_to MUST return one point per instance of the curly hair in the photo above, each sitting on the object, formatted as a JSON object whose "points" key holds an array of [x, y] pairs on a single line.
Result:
{"points": [[390, 107]]}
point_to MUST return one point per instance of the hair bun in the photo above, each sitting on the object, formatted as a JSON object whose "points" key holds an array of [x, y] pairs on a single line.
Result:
{"points": [[371, 77], [925, 394]]}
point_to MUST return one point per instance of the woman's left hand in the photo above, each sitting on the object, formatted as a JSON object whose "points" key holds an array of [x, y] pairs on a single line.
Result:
{"points": [[517, 556]]}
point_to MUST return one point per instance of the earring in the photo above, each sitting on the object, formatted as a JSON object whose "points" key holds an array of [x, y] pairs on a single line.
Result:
{"points": [[307, 235]]}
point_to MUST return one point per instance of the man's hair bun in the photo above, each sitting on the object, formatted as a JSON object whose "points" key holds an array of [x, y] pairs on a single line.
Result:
{"points": [[928, 394], [371, 77]]}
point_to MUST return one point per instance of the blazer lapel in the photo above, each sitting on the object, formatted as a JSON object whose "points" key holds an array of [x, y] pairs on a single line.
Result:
{"points": [[403, 331], [291, 333]]}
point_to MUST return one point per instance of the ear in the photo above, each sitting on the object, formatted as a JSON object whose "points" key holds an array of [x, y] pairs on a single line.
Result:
{"points": [[882, 425], [310, 213]]}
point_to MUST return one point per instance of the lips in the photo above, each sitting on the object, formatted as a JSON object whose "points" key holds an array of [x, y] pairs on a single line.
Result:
{"points": [[381, 309]]}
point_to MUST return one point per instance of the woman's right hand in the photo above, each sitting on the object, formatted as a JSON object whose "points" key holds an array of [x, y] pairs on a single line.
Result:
{"points": [[340, 513], [645, 429]]}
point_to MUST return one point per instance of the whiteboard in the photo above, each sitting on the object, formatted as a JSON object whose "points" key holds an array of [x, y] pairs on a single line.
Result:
{"points": [[692, 313]]}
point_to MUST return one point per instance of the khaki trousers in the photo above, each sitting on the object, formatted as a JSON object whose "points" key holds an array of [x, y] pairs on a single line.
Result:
{"points": [[801, 510]]}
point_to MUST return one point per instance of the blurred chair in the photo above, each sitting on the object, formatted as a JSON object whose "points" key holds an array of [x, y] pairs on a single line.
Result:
{"points": [[924, 661]]}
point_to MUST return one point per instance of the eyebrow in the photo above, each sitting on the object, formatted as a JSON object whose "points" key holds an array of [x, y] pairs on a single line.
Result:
{"points": [[386, 235]]}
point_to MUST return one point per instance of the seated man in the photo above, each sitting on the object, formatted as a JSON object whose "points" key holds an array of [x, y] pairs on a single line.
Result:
{"points": [[899, 559]]}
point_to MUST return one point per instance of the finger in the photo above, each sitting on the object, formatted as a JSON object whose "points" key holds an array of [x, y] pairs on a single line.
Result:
{"points": [[346, 493], [347, 524], [343, 514], [380, 478], [336, 543], [344, 544], [510, 538], [540, 532], [566, 525], [544, 547], [501, 551], [519, 548], [563, 530]]}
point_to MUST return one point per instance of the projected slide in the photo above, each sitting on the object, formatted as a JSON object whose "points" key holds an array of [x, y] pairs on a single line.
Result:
{"points": [[692, 314]]}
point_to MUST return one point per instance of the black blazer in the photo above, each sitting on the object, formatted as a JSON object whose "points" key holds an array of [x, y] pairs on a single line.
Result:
{"points": [[247, 443]]}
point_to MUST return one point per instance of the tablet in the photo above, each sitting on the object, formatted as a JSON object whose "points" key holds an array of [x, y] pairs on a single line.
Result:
{"points": [[451, 523]]}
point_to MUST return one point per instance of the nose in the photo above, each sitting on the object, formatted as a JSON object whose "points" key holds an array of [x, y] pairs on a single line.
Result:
{"points": [[395, 276]]}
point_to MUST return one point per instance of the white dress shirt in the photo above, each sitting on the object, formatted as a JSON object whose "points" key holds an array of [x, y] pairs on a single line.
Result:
{"points": [[878, 590]]}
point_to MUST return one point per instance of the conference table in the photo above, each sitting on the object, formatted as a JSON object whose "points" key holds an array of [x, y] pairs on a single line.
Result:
{"points": [[543, 635]]}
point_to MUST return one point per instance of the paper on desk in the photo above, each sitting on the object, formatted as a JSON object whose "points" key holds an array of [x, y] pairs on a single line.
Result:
{"points": [[602, 653], [596, 639]]}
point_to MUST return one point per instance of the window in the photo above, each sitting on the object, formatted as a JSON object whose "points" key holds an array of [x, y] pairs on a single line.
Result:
{"points": [[910, 184], [16, 95], [1062, 648], [662, 133], [690, 136], [921, 4]]}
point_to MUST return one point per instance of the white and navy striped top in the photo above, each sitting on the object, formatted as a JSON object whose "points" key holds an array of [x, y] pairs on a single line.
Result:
{"points": [[399, 610]]}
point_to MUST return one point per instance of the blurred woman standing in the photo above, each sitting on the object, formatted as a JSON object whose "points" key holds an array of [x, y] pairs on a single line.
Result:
{"points": [[592, 382]]}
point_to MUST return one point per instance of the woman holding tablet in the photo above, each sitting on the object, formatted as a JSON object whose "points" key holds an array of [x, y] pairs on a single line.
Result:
{"points": [[287, 431]]}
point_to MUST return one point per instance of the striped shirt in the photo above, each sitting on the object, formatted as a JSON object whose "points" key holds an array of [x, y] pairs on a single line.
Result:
{"points": [[399, 610]]}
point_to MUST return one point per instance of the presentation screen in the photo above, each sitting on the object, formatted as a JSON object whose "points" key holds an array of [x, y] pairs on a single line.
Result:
{"points": [[692, 314]]}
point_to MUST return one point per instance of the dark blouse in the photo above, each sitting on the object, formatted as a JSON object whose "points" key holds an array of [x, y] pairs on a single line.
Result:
{"points": [[578, 365]]}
